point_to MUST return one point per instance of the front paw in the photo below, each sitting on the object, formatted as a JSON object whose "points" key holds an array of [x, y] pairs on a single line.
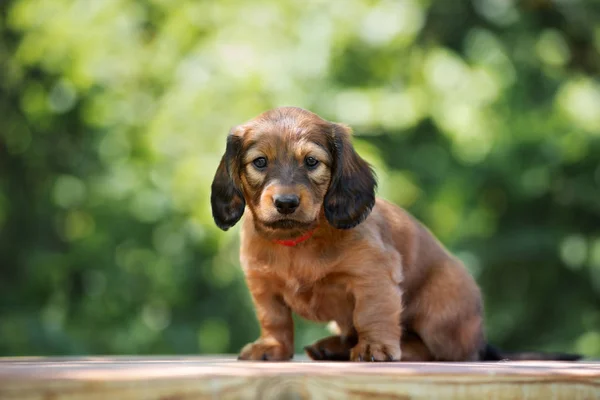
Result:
{"points": [[374, 351], [266, 350]]}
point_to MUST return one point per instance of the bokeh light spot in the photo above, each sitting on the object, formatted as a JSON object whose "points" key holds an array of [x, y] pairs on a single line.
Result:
{"points": [[573, 251], [68, 191]]}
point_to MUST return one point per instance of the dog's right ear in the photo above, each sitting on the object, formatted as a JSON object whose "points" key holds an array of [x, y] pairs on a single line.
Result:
{"points": [[226, 198]]}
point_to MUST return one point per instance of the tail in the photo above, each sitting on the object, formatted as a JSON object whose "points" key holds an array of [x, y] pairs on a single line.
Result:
{"points": [[491, 353]]}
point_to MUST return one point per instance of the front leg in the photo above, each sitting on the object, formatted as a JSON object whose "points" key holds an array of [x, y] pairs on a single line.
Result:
{"points": [[378, 305], [276, 342]]}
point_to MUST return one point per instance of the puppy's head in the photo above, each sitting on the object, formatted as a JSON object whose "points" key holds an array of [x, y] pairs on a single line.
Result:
{"points": [[289, 166]]}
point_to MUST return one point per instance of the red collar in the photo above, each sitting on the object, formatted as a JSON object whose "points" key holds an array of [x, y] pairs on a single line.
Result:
{"points": [[298, 240]]}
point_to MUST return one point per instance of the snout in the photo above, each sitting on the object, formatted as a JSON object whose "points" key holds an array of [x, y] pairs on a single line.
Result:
{"points": [[289, 208], [286, 203]]}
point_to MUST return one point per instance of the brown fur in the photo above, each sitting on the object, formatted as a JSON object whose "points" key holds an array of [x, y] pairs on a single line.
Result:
{"points": [[391, 287]]}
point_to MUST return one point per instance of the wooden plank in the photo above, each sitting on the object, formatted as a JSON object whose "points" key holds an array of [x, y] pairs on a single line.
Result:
{"points": [[179, 378]]}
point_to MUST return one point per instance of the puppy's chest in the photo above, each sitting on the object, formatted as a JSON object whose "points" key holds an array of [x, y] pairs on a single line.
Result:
{"points": [[309, 284], [323, 300]]}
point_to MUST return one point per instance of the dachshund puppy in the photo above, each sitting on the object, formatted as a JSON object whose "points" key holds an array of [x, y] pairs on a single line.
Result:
{"points": [[316, 241]]}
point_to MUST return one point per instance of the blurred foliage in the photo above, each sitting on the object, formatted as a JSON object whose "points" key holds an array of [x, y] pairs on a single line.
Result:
{"points": [[481, 117]]}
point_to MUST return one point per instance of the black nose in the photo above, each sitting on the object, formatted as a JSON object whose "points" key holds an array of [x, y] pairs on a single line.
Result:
{"points": [[286, 203]]}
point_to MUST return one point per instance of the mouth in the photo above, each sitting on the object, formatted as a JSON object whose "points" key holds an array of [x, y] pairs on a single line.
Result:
{"points": [[288, 224]]}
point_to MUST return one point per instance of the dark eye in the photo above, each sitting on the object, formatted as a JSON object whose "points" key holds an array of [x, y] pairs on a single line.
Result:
{"points": [[311, 162], [260, 162]]}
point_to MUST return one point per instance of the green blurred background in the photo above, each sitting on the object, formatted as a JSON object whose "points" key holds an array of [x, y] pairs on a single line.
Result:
{"points": [[481, 117]]}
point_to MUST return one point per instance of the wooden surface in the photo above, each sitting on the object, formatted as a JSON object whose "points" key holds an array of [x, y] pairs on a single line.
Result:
{"points": [[179, 378]]}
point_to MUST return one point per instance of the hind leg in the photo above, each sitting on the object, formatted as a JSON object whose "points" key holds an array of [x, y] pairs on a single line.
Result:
{"points": [[449, 318], [337, 348], [332, 348], [456, 340], [414, 349]]}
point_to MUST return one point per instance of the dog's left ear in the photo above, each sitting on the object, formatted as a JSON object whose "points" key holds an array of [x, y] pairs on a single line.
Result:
{"points": [[226, 198], [351, 194]]}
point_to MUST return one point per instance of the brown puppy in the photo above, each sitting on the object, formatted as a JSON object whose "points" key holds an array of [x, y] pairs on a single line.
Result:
{"points": [[316, 241]]}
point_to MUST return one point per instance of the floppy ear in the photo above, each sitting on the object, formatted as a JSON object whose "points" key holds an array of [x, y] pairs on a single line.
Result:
{"points": [[351, 194], [226, 198]]}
